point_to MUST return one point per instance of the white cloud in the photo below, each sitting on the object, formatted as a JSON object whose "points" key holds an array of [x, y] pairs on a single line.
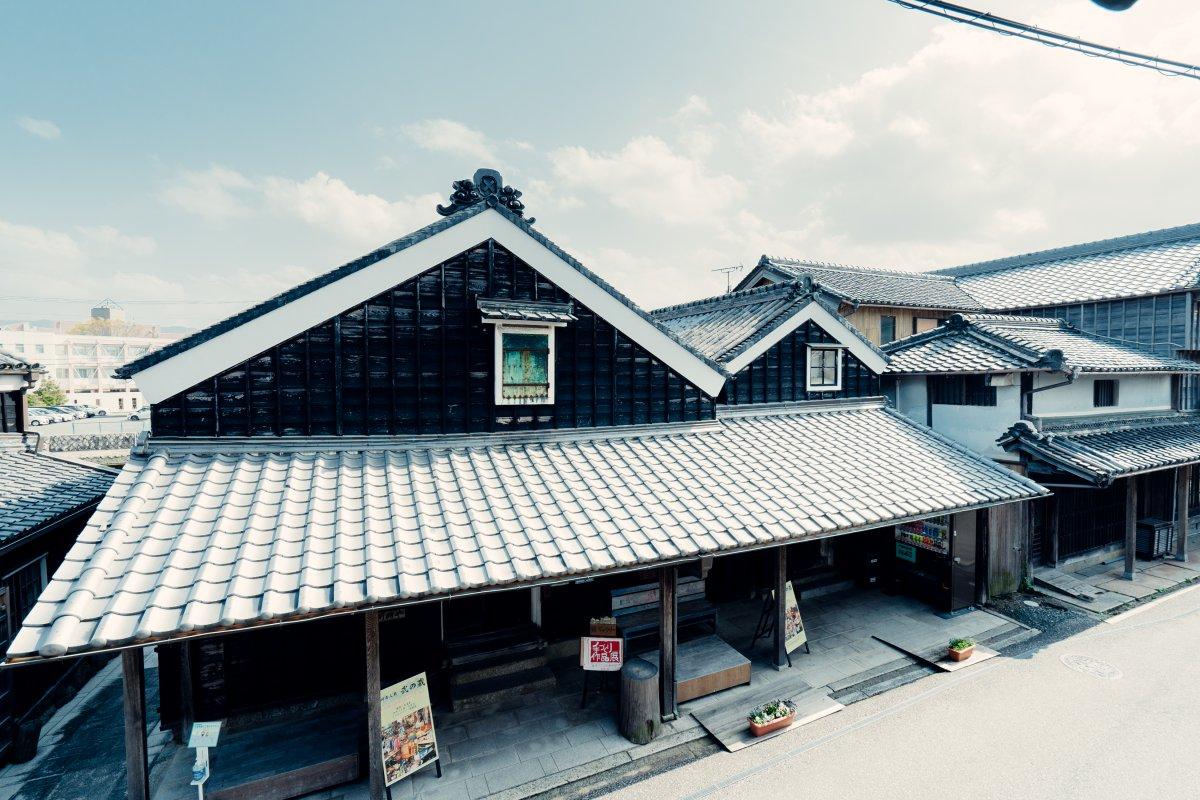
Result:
{"points": [[448, 136], [33, 248], [323, 201], [647, 177], [694, 106], [41, 128], [217, 193], [110, 236]]}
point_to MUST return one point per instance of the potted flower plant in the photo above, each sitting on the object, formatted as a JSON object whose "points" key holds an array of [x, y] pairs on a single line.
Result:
{"points": [[772, 716], [961, 649]]}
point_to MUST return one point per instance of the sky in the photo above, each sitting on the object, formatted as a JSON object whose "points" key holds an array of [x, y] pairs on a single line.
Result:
{"points": [[188, 160]]}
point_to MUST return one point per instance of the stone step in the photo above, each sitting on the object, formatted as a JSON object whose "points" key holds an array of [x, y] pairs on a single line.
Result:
{"points": [[494, 668], [490, 691]]}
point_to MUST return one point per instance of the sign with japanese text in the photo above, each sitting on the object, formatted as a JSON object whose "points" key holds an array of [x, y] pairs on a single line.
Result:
{"points": [[794, 634], [205, 734], [601, 653], [409, 742]]}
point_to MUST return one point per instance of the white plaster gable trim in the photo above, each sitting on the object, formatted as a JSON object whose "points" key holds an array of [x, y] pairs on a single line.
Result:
{"points": [[179, 372], [831, 324]]}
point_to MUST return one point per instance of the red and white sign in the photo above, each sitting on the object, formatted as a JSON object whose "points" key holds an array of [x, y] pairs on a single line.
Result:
{"points": [[601, 653]]}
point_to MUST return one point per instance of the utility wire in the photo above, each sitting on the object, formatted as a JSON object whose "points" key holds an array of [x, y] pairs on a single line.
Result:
{"points": [[173, 302], [1008, 27]]}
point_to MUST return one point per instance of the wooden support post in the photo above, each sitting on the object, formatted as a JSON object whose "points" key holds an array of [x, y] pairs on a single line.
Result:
{"points": [[1130, 526], [1183, 485], [374, 715], [535, 605], [22, 412], [668, 635], [781, 655], [187, 693], [137, 772], [1051, 507]]}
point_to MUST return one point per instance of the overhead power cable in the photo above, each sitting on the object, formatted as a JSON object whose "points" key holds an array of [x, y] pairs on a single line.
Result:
{"points": [[1008, 27]]}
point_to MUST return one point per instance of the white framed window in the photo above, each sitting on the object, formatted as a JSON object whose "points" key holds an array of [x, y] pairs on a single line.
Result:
{"points": [[824, 369], [524, 364]]}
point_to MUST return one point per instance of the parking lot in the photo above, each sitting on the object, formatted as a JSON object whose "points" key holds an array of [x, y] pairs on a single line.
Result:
{"points": [[112, 423]]}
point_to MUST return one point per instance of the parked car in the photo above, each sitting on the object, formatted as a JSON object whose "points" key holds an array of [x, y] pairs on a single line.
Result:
{"points": [[79, 408], [72, 412], [141, 413], [43, 416]]}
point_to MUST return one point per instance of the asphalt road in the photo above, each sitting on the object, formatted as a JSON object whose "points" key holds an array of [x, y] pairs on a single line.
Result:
{"points": [[111, 423], [1112, 711]]}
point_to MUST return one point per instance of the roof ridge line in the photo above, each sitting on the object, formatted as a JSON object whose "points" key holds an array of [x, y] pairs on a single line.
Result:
{"points": [[779, 287], [831, 265], [793, 407], [263, 445], [1097, 247]]}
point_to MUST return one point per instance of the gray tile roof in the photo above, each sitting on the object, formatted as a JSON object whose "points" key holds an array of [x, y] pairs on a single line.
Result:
{"points": [[1104, 451], [189, 541], [999, 343], [37, 489], [725, 326], [1130, 266], [526, 311], [403, 243], [879, 286], [13, 363]]}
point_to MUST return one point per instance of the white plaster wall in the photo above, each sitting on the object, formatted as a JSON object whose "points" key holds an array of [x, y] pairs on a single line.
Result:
{"points": [[978, 427], [1150, 392], [910, 398]]}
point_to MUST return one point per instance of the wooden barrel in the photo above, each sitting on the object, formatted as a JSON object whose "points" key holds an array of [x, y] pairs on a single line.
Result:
{"points": [[640, 719]]}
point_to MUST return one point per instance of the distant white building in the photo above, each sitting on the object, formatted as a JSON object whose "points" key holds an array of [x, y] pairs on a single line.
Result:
{"points": [[83, 363]]}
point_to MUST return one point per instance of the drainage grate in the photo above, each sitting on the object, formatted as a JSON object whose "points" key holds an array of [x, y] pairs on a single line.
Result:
{"points": [[1091, 666]]}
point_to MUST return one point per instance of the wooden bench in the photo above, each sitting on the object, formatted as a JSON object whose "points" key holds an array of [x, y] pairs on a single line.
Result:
{"points": [[637, 608]]}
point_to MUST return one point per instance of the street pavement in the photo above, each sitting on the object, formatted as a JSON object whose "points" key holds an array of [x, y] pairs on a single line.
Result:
{"points": [[1112, 711]]}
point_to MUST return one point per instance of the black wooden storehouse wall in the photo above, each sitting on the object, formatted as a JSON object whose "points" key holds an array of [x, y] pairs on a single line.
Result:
{"points": [[778, 375], [419, 360], [8, 412]]}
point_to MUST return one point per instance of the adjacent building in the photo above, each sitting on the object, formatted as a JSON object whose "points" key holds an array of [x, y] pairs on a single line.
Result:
{"points": [[82, 361]]}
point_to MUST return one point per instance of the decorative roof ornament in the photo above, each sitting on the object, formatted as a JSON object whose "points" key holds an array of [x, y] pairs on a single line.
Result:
{"points": [[487, 187]]}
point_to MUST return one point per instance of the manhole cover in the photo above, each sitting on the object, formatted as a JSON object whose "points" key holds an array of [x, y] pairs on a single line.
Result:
{"points": [[1091, 666]]}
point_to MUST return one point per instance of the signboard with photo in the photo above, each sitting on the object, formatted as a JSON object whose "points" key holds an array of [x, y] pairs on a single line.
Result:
{"points": [[409, 742], [601, 653], [794, 634]]}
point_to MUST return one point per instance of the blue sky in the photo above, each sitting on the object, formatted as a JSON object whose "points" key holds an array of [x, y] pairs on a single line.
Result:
{"points": [[186, 160]]}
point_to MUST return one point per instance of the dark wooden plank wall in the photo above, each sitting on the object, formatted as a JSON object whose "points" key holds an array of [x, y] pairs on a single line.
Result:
{"points": [[8, 412], [418, 360], [778, 375]]}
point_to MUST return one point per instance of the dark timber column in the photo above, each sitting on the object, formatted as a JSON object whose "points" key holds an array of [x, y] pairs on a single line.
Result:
{"points": [[668, 636], [1183, 483], [374, 715], [137, 774], [780, 607], [1130, 526]]}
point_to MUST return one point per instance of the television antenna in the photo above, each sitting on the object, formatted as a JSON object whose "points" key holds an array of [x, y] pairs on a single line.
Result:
{"points": [[729, 273]]}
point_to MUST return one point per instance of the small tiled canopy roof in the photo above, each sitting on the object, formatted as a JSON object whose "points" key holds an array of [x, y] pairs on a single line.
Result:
{"points": [[1000, 343], [37, 489], [12, 363], [1129, 266], [496, 310], [878, 286], [191, 540], [1101, 452]]}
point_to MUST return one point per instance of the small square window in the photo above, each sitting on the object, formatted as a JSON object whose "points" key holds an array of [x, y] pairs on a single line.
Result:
{"points": [[524, 365], [1104, 393], [824, 369]]}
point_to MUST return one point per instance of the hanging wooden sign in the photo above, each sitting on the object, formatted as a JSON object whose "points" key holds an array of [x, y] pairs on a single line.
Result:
{"points": [[409, 741], [794, 635]]}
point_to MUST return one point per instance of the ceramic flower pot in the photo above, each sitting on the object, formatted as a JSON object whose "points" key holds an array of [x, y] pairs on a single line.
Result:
{"points": [[773, 725], [961, 655]]}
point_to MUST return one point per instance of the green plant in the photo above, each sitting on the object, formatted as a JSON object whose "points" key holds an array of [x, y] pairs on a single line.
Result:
{"points": [[769, 712], [961, 644], [48, 393]]}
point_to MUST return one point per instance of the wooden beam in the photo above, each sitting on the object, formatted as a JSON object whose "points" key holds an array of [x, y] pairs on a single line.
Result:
{"points": [[137, 772], [1051, 507], [1183, 484], [668, 584], [1130, 526], [374, 714], [781, 656], [187, 693]]}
